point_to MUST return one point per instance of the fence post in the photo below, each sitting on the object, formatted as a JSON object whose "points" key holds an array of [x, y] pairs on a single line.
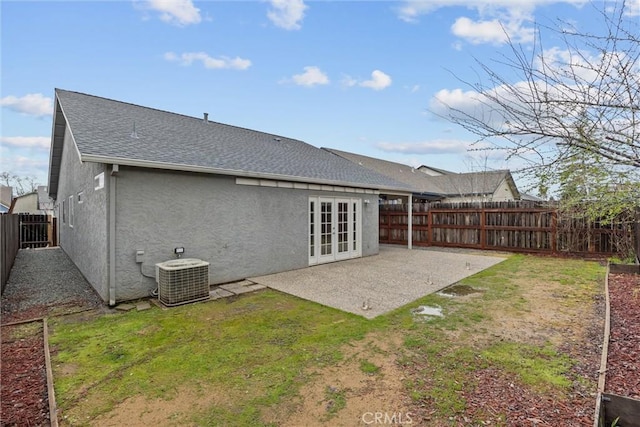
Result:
{"points": [[554, 231], [429, 222], [637, 233], [410, 223], [50, 230], [483, 229]]}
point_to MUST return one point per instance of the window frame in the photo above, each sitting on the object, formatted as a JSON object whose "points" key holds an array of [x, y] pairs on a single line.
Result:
{"points": [[71, 212], [99, 181]]}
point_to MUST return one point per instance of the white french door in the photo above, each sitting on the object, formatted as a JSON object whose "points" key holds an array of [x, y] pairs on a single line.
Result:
{"points": [[334, 229]]}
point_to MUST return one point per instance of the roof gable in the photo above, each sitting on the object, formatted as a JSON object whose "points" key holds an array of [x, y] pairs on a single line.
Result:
{"points": [[109, 131]]}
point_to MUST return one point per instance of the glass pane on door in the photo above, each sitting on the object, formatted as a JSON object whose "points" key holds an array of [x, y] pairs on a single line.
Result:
{"points": [[312, 229], [354, 227], [343, 227], [326, 228]]}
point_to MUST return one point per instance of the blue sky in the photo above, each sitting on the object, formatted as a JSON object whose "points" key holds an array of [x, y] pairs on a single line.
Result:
{"points": [[352, 75]]}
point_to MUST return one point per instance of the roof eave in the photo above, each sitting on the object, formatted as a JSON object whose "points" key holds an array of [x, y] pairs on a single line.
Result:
{"points": [[59, 125], [232, 172], [514, 188]]}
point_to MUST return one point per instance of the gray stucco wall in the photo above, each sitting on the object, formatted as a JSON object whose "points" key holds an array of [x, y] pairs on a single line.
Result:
{"points": [[370, 225], [242, 231], [86, 241]]}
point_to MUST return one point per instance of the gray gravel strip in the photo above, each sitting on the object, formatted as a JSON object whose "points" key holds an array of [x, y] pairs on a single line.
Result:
{"points": [[395, 277], [46, 278]]}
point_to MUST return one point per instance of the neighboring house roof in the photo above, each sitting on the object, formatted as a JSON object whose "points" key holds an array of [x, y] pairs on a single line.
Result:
{"points": [[114, 132], [419, 181], [4, 208], [430, 170], [474, 183], [449, 184], [531, 197]]}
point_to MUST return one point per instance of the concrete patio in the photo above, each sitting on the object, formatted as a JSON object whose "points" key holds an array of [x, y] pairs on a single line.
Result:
{"points": [[381, 283]]}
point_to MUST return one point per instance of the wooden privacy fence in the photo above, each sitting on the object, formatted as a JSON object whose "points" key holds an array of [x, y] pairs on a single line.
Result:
{"points": [[9, 244], [508, 226], [37, 231]]}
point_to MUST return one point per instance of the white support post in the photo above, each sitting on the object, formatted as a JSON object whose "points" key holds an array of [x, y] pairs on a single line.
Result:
{"points": [[410, 223]]}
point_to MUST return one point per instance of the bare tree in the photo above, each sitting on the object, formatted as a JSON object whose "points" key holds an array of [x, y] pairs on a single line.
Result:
{"points": [[585, 96], [21, 184]]}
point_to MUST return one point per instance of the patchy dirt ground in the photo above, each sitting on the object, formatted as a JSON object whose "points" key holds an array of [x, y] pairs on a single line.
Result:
{"points": [[345, 395], [549, 315], [348, 394]]}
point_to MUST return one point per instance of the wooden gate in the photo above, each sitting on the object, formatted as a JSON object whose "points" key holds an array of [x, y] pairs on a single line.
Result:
{"points": [[37, 231]]}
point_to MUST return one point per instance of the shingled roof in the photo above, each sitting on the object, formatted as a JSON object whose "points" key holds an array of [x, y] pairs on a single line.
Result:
{"points": [[397, 171], [451, 184], [114, 132], [473, 183]]}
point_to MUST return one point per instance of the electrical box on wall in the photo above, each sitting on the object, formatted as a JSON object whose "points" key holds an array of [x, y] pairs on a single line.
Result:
{"points": [[139, 256]]}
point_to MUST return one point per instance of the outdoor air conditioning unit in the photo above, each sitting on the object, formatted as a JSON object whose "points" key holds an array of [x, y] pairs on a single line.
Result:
{"points": [[181, 281]]}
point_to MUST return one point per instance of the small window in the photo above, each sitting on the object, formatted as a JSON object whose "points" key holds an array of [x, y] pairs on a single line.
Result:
{"points": [[99, 181], [70, 211], [81, 197]]}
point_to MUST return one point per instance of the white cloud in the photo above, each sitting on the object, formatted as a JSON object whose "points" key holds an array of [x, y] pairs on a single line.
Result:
{"points": [[28, 166], [494, 31], [577, 78], [287, 14], [210, 62], [35, 164], [33, 104], [582, 65], [348, 81], [495, 18], [411, 10], [436, 146], [176, 12], [312, 76], [456, 99], [379, 81], [633, 8], [471, 103], [42, 142]]}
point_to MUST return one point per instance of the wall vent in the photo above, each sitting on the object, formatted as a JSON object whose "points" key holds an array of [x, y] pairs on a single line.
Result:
{"points": [[181, 281]]}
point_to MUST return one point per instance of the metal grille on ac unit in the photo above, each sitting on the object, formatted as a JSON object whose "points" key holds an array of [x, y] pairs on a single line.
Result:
{"points": [[181, 281]]}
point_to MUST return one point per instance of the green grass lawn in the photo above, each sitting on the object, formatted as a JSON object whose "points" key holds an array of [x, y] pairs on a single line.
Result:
{"points": [[259, 348]]}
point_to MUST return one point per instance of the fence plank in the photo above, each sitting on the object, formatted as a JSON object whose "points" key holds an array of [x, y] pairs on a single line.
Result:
{"points": [[9, 243]]}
